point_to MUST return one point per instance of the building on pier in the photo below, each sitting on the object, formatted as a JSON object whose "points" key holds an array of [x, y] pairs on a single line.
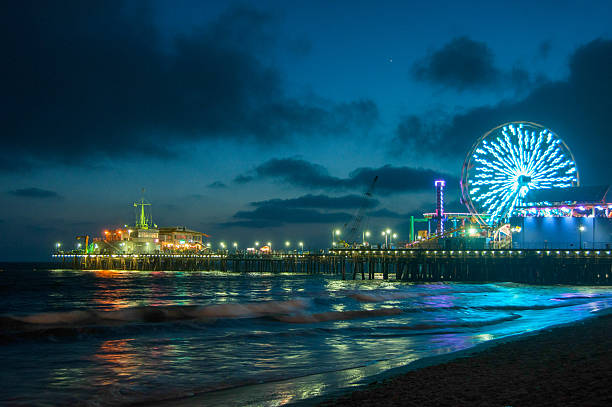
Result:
{"points": [[145, 237]]}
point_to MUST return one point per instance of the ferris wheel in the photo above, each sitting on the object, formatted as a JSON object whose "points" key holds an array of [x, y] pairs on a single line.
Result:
{"points": [[509, 161]]}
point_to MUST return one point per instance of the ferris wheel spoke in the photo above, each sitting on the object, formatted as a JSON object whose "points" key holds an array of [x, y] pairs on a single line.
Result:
{"points": [[510, 160]]}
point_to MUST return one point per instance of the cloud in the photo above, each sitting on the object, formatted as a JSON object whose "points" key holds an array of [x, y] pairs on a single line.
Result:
{"points": [[386, 213], [274, 215], [34, 193], [544, 49], [76, 88], [217, 185], [460, 64], [577, 109], [320, 202], [391, 179], [243, 179], [464, 64]]}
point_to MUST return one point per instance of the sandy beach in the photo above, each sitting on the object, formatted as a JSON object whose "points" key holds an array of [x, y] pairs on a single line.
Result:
{"points": [[564, 366]]}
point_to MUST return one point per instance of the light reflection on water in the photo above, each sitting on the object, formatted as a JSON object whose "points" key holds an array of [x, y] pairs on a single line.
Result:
{"points": [[262, 359]]}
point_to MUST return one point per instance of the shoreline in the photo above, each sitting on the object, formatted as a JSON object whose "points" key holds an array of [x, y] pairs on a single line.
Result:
{"points": [[376, 389], [566, 364]]}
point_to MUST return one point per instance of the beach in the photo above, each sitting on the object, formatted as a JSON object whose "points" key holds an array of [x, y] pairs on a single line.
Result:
{"points": [[565, 366]]}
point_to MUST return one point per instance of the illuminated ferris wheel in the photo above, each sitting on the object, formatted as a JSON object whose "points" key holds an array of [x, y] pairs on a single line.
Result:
{"points": [[509, 161]]}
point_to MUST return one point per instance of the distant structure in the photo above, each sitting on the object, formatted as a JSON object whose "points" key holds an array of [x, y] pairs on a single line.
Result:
{"points": [[145, 237], [439, 184], [521, 186], [508, 162]]}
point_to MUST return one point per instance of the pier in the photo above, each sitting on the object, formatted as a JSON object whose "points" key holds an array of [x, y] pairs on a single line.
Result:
{"points": [[582, 267]]}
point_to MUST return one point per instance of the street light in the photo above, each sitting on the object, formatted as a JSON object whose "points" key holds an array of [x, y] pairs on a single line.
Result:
{"points": [[364, 235], [581, 228], [301, 246], [386, 234], [58, 245], [335, 234], [256, 244], [235, 246]]}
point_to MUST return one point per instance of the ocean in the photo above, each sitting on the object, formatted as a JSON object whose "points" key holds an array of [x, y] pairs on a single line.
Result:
{"points": [[102, 338]]}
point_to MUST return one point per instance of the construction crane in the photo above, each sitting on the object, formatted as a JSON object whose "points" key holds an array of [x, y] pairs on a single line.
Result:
{"points": [[351, 229]]}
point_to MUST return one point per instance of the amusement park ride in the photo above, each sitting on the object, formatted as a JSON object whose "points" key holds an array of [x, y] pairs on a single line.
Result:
{"points": [[515, 171]]}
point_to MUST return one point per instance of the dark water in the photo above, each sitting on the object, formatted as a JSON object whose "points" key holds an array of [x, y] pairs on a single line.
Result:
{"points": [[115, 337]]}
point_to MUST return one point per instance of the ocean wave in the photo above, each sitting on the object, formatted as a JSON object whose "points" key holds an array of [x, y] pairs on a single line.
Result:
{"points": [[336, 315]]}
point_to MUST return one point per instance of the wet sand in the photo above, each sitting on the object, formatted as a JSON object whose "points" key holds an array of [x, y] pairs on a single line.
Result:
{"points": [[564, 366]]}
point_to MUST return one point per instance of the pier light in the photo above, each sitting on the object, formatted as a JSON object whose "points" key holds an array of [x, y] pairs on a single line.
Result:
{"points": [[383, 233], [78, 245], [388, 231], [338, 232], [256, 244], [287, 243], [58, 245], [235, 244], [581, 228], [222, 244], [367, 233]]}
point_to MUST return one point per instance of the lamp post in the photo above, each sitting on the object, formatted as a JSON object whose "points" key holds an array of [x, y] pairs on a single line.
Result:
{"points": [[363, 237], [335, 233], [287, 244], [270, 247], [236, 247], [394, 236], [301, 247], [57, 246], [581, 228]]}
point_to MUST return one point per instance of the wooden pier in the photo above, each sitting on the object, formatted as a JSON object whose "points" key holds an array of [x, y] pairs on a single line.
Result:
{"points": [[582, 267]]}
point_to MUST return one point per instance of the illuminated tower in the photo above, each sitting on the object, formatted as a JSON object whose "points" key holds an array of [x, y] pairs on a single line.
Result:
{"points": [[144, 219], [440, 206]]}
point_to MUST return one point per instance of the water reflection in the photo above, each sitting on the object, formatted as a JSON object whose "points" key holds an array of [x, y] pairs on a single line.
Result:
{"points": [[266, 356]]}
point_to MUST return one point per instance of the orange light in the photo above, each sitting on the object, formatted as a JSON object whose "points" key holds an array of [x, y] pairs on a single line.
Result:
{"points": [[106, 232]]}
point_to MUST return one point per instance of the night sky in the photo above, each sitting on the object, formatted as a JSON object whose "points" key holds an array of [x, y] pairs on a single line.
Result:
{"points": [[267, 121]]}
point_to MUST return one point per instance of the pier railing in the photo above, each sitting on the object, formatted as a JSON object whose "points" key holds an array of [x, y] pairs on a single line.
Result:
{"points": [[585, 267]]}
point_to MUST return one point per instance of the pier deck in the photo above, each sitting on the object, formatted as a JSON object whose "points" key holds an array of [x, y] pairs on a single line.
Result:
{"points": [[584, 267]]}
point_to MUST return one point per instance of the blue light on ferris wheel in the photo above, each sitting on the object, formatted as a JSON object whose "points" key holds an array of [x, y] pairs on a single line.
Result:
{"points": [[509, 161]]}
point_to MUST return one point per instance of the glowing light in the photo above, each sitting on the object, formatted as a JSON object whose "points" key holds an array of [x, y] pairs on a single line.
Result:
{"points": [[581, 228], [508, 162]]}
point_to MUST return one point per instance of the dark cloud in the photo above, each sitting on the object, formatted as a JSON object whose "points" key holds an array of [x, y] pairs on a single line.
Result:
{"points": [[544, 49], [243, 179], [34, 193], [461, 64], [278, 215], [320, 202], [387, 213], [83, 79], [391, 179], [217, 185], [577, 109]]}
